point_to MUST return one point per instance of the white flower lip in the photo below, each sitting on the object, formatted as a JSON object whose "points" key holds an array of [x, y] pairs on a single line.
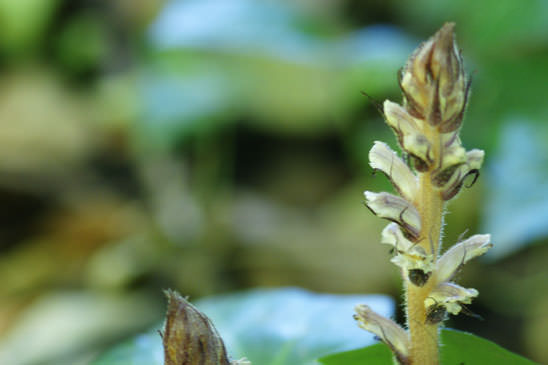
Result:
{"points": [[382, 158], [396, 209], [392, 235], [474, 158], [409, 255], [451, 296], [462, 252]]}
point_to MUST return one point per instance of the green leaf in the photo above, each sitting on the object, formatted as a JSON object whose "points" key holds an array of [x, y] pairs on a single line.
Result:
{"points": [[270, 327], [378, 354], [458, 348], [461, 347]]}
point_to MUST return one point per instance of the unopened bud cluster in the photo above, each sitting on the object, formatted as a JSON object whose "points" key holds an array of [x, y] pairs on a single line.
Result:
{"points": [[435, 92]]}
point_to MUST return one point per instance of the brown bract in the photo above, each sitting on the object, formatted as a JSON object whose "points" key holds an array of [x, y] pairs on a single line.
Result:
{"points": [[189, 337]]}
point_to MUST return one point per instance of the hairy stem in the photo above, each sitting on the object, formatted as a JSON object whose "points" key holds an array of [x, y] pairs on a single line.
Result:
{"points": [[424, 337]]}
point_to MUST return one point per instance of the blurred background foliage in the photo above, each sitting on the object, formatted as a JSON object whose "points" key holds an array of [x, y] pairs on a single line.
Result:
{"points": [[217, 145]]}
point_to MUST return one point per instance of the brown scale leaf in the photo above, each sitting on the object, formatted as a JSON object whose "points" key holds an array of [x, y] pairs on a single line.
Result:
{"points": [[189, 337]]}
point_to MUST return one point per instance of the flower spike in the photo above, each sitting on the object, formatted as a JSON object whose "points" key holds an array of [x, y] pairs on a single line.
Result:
{"points": [[435, 92]]}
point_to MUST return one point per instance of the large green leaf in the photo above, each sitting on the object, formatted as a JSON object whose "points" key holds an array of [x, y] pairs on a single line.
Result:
{"points": [[270, 327], [458, 348]]}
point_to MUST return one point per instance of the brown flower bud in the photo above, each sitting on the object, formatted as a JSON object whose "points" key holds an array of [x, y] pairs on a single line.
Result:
{"points": [[189, 336], [433, 81]]}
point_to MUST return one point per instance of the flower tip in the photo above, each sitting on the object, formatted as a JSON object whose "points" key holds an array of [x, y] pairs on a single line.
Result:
{"points": [[445, 37], [447, 30], [433, 81]]}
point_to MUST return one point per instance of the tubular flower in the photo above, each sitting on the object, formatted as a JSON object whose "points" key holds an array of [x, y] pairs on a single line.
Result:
{"points": [[453, 259], [385, 329], [396, 209], [382, 158], [447, 297], [411, 257]]}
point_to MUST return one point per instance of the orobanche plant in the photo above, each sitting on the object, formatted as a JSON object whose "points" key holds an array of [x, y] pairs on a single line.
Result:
{"points": [[432, 171]]}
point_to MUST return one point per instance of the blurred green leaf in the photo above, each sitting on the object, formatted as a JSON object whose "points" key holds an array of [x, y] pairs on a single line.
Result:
{"points": [[457, 348], [271, 69], [145, 349], [516, 209], [86, 29], [491, 25], [22, 23], [242, 26], [281, 326]]}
